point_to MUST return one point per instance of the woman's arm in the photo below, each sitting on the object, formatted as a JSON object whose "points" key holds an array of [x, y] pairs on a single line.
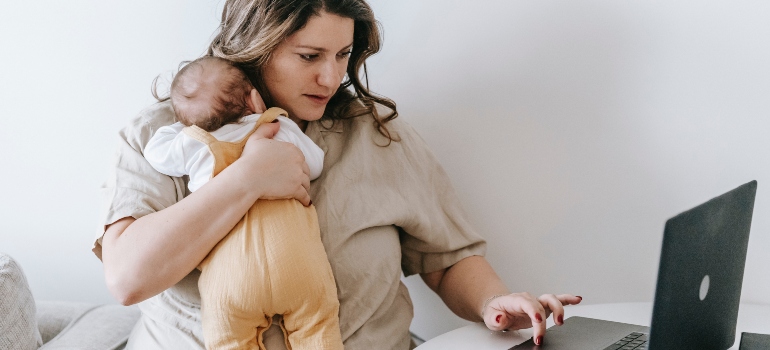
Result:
{"points": [[473, 291], [142, 257], [465, 285]]}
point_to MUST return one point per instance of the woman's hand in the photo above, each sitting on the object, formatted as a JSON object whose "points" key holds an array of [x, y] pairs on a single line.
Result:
{"points": [[522, 310], [272, 168], [465, 284]]}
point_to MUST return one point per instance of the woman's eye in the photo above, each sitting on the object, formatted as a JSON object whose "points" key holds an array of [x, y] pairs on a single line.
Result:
{"points": [[345, 54], [308, 57]]}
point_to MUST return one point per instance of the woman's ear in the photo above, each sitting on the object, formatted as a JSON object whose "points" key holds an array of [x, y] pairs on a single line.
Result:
{"points": [[255, 102]]}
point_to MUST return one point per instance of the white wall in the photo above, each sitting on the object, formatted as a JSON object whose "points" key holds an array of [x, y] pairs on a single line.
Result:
{"points": [[71, 75], [572, 130]]}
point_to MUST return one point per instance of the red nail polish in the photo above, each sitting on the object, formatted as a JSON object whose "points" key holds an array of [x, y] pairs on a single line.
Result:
{"points": [[538, 318], [497, 319], [311, 202], [581, 298], [539, 340], [561, 319]]}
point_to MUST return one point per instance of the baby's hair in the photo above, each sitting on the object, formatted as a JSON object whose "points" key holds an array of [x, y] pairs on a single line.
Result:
{"points": [[209, 92]]}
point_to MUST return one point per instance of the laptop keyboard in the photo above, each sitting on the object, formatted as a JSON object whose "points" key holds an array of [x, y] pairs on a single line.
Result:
{"points": [[633, 341]]}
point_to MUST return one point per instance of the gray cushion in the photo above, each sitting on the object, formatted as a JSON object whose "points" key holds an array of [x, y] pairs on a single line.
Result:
{"points": [[71, 326], [54, 316], [18, 326], [60, 325]]}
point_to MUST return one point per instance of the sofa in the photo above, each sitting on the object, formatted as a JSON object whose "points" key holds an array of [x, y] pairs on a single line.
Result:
{"points": [[84, 326], [60, 325]]}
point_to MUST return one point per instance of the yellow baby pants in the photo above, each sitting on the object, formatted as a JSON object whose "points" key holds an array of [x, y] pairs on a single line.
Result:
{"points": [[272, 262]]}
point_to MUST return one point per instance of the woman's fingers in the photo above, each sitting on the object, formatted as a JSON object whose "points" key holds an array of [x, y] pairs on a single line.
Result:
{"points": [[303, 197], [265, 131], [521, 310], [555, 304], [495, 317], [304, 193], [552, 304], [516, 311], [569, 299], [274, 169], [306, 180], [537, 316]]}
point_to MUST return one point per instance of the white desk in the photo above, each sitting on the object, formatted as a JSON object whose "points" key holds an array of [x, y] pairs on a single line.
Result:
{"points": [[751, 318]]}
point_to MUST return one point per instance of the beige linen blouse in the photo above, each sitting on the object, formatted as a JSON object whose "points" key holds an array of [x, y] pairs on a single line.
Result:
{"points": [[382, 211]]}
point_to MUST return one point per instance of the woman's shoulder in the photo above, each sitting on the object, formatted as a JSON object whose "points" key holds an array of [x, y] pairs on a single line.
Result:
{"points": [[398, 128], [146, 123]]}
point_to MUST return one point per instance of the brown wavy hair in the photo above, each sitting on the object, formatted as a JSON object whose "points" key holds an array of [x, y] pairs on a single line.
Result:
{"points": [[251, 29]]}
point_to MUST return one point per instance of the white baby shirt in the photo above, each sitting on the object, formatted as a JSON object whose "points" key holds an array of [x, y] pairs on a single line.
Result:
{"points": [[174, 153]]}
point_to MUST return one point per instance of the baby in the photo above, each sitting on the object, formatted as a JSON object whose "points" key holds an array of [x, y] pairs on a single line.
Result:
{"points": [[272, 262]]}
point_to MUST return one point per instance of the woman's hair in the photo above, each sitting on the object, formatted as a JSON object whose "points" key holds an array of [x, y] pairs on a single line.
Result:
{"points": [[251, 30], [209, 92]]}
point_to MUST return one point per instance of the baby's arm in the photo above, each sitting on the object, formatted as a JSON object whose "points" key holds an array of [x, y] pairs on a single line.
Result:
{"points": [[165, 151], [314, 155]]}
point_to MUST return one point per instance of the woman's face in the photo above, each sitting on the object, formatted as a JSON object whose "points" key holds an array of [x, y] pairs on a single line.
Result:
{"points": [[306, 69]]}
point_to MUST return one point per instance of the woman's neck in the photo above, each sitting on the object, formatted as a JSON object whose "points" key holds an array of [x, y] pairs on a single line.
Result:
{"points": [[301, 123]]}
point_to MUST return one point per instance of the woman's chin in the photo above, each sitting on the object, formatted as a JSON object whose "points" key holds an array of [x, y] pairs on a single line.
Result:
{"points": [[303, 118], [311, 115]]}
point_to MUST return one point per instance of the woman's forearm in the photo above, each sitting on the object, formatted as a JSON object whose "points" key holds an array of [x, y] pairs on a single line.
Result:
{"points": [[146, 256], [471, 285], [465, 286]]}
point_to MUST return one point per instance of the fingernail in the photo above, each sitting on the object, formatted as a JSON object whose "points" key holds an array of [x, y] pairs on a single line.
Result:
{"points": [[497, 319], [561, 319], [275, 121], [581, 298], [311, 202], [538, 318], [539, 340]]}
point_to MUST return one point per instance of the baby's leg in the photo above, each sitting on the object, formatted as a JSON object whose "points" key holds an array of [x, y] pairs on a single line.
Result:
{"points": [[303, 284], [225, 329], [314, 324], [234, 291]]}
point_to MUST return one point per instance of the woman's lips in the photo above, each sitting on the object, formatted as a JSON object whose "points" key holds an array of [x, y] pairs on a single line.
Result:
{"points": [[319, 99]]}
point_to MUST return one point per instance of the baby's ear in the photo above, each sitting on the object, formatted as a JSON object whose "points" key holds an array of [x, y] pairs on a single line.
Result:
{"points": [[256, 104]]}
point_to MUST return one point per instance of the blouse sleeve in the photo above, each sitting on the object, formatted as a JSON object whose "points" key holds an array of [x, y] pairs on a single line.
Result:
{"points": [[133, 188], [435, 232]]}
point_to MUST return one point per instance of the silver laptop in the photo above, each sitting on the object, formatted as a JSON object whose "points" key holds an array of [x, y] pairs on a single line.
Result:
{"points": [[698, 290]]}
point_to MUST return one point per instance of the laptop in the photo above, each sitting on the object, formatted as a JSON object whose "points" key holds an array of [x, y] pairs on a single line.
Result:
{"points": [[698, 290], [754, 341]]}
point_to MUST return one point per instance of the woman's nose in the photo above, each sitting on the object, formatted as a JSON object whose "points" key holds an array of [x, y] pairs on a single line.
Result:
{"points": [[329, 75]]}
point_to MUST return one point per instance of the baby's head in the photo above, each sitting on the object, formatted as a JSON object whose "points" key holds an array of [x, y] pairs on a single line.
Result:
{"points": [[211, 92]]}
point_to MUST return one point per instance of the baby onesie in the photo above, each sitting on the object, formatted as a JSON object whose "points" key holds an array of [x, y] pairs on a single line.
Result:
{"points": [[272, 262]]}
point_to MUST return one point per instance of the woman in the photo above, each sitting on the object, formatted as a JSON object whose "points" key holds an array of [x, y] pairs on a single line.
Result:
{"points": [[384, 203]]}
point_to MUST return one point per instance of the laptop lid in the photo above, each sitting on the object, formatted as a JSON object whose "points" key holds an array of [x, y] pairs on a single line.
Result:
{"points": [[754, 341], [699, 283], [701, 273]]}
